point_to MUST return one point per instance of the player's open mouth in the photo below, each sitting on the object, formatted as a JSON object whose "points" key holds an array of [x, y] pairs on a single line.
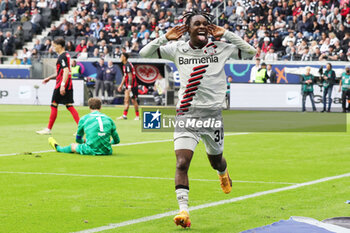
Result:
{"points": [[202, 35]]}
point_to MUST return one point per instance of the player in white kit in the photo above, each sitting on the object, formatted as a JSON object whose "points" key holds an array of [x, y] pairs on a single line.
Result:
{"points": [[200, 63]]}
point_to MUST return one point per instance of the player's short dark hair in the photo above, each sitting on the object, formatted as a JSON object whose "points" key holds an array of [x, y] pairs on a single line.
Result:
{"points": [[60, 41], [189, 14], [126, 55], [95, 103]]}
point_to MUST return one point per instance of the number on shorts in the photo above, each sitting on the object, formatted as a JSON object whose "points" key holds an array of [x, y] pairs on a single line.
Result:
{"points": [[100, 123], [219, 135]]}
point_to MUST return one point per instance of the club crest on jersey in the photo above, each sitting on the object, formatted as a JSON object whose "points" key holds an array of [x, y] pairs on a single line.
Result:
{"points": [[210, 51]]}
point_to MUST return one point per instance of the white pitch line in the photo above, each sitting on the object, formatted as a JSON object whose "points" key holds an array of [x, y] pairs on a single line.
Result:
{"points": [[123, 144], [135, 177], [170, 213]]}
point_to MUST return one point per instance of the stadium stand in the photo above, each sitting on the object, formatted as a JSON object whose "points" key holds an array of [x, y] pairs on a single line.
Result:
{"points": [[266, 24]]}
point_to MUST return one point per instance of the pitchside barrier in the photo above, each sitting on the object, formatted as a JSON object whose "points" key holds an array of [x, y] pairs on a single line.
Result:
{"points": [[274, 97], [148, 70], [33, 91]]}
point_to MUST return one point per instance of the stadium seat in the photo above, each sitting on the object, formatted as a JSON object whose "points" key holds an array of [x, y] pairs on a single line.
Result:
{"points": [[27, 26]]}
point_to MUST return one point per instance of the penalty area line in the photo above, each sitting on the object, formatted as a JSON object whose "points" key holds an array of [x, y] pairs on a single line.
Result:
{"points": [[123, 144], [212, 204]]}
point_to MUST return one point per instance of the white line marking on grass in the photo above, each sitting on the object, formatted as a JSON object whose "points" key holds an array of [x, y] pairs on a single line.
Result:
{"points": [[134, 177], [123, 144], [170, 213]]}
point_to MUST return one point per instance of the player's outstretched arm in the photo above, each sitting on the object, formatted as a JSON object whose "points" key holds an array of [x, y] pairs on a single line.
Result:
{"points": [[150, 50], [46, 80], [247, 51]]}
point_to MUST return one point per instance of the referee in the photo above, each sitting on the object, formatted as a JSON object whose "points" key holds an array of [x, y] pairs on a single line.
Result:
{"points": [[63, 92]]}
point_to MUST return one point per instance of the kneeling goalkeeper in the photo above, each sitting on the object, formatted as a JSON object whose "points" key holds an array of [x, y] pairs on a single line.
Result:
{"points": [[98, 127]]}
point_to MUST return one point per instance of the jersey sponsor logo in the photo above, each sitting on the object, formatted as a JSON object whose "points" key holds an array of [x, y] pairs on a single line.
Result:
{"points": [[195, 61], [147, 73]]}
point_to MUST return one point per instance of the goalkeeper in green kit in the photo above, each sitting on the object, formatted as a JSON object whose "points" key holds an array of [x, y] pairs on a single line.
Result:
{"points": [[98, 127]]}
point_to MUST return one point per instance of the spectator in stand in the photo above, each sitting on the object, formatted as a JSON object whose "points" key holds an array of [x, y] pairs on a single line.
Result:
{"points": [[128, 47], [289, 38], [301, 47], [317, 55], [8, 44], [334, 15], [54, 32], [135, 48], [333, 38], [145, 40], [37, 45], [4, 24], [25, 17], [280, 25], [239, 31], [277, 41], [66, 31], [114, 39], [271, 55], [19, 36], [94, 24], [306, 55], [35, 56], [15, 60], [90, 47], [42, 4], [6, 5], [26, 61], [47, 45], [101, 46], [21, 9], [325, 46], [81, 46], [79, 30], [156, 33], [12, 17], [139, 18], [70, 47], [106, 55], [291, 54], [229, 8], [117, 53], [265, 47], [84, 54], [142, 32], [35, 20]]}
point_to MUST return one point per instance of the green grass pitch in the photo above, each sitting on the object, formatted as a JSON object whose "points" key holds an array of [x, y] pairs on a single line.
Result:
{"points": [[48, 192]]}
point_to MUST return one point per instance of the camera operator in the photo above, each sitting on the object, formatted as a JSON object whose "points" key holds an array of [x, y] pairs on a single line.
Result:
{"points": [[328, 78], [344, 87], [308, 80]]}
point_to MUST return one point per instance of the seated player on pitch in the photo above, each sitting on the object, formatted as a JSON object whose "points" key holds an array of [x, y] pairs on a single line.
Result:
{"points": [[98, 127]]}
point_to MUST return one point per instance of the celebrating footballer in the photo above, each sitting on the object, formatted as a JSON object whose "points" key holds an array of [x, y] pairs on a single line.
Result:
{"points": [[200, 63]]}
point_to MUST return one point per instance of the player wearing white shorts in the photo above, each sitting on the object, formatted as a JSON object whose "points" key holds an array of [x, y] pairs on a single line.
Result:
{"points": [[200, 63]]}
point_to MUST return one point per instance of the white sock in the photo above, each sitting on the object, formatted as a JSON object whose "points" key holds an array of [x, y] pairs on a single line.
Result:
{"points": [[222, 173], [182, 199]]}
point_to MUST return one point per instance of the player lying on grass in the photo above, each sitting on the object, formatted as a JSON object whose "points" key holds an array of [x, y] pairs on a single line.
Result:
{"points": [[200, 63], [98, 127]]}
